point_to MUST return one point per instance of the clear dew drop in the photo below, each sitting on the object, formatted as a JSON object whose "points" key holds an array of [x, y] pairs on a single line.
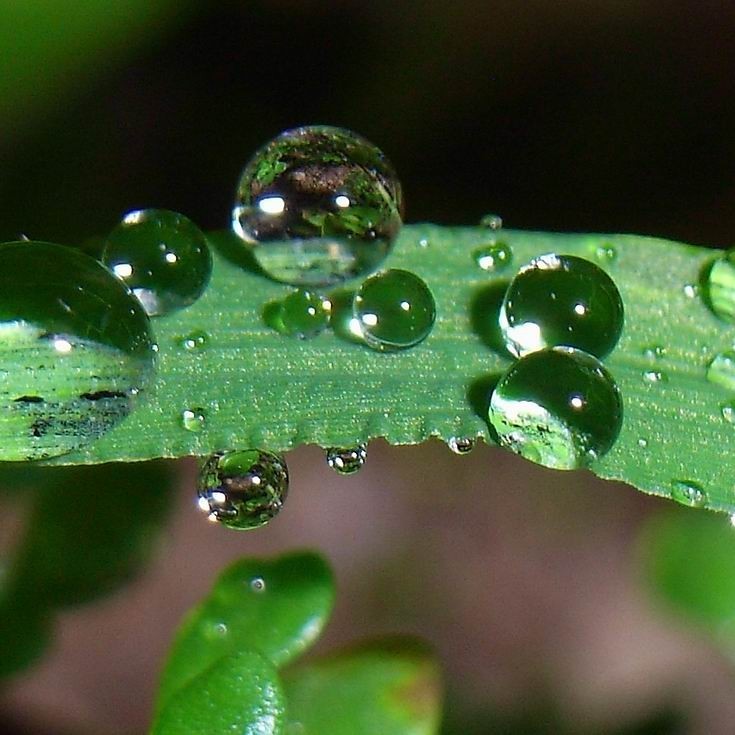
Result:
{"points": [[194, 341], [493, 257], [302, 314], [720, 287], [318, 205], [721, 370], [424, 242], [688, 493], [193, 419], [491, 221], [346, 461], [461, 444], [606, 254], [564, 423], [727, 410], [690, 290], [76, 350], [654, 352], [655, 376], [257, 585], [642, 443], [242, 489]]}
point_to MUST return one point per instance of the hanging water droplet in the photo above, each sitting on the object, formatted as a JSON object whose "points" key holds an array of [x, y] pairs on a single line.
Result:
{"points": [[721, 370], [492, 221], [655, 376], [257, 584], [395, 310], [728, 411], [346, 461], [606, 254], [561, 300], [75, 350], [318, 205], [195, 341], [688, 493], [301, 314], [565, 422], [193, 419], [242, 489], [162, 257], [493, 256], [461, 444]]}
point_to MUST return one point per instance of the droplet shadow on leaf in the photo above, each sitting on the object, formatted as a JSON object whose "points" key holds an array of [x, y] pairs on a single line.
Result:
{"points": [[478, 396], [484, 310], [232, 248]]}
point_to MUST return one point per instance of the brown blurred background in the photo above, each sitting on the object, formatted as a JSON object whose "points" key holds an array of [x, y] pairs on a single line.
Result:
{"points": [[609, 115]]}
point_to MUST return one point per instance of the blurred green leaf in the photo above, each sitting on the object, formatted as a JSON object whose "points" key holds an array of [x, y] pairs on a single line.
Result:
{"points": [[239, 693], [389, 687], [277, 607], [24, 635]]}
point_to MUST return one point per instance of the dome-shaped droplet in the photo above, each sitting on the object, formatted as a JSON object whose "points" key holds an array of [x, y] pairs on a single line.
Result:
{"points": [[194, 341], [394, 309], [194, 419], [243, 489], [721, 370], [561, 300], [688, 493], [301, 314], [461, 444], [493, 256], [318, 205], [347, 461], [557, 407], [491, 221], [75, 350], [720, 286], [162, 257]]}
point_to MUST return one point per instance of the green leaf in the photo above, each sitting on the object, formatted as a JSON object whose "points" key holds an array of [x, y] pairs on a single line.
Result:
{"points": [[24, 635], [259, 388], [389, 687], [237, 694], [275, 606]]}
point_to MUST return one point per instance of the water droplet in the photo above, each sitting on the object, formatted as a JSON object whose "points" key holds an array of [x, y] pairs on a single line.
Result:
{"points": [[642, 443], [728, 411], [655, 376], [193, 419], [461, 444], [162, 257], [690, 290], [195, 341], [346, 461], [424, 242], [721, 370], [654, 352], [688, 493], [318, 205], [606, 254], [257, 584], [492, 221], [75, 350], [342, 320], [557, 407], [720, 286], [243, 489], [561, 300], [302, 314], [493, 256], [394, 309]]}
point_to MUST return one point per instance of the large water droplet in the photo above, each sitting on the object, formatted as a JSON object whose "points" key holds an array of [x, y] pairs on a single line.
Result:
{"points": [[347, 461], [243, 489], [721, 370], [688, 493], [75, 350], [394, 309], [493, 256], [561, 300], [301, 314], [162, 257], [558, 407], [318, 205]]}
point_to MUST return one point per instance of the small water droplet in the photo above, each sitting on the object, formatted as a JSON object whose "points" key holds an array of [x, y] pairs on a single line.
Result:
{"points": [[721, 370], [493, 257], [728, 411], [688, 493], [654, 352], [690, 290], [242, 489], [301, 314], [642, 443], [424, 242], [492, 221], [257, 584], [561, 300], [606, 254], [564, 423], [193, 419], [162, 257], [346, 461], [461, 444], [195, 341], [394, 309], [318, 205], [655, 376]]}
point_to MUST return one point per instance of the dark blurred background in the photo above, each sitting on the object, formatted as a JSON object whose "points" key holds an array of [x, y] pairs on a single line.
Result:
{"points": [[596, 115]]}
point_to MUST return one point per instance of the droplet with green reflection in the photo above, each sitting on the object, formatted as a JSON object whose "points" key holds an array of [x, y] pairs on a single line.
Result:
{"points": [[76, 350], [561, 300], [347, 461], [493, 256], [394, 310], [557, 407], [720, 286], [242, 489], [688, 493], [162, 257], [301, 314], [721, 370], [318, 205]]}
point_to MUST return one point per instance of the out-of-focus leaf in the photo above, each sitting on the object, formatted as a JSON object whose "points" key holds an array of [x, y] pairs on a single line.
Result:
{"points": [[390, 687], [277, 607], [24, 635], [239, 693]]}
